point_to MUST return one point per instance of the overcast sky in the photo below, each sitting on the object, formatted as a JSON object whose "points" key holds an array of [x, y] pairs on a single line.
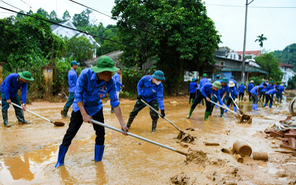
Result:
{"points": [[277, 24]]}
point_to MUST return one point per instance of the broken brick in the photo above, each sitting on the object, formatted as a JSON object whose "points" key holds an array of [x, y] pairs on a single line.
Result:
{"points": [[277, 134], [292, 142], [290, 136], [292, 131], [267, 131]]}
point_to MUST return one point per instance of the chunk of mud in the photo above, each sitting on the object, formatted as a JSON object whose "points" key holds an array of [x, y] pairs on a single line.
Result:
{"points": [[282, 174], [245, 118], [190, 129], [180, 179], [183, 144], [185, 137], [218, 162], [196, 156]]}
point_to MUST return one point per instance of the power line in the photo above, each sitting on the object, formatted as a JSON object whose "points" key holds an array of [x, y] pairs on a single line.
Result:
{"points": [[26, 4], [237, 6], [12, 6], [85, 32]]}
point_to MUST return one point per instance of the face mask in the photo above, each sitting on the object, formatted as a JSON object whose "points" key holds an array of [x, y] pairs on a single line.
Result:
{"points": [[156, 82]]}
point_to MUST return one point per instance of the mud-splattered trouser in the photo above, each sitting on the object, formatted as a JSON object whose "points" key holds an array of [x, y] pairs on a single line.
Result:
{"points": [[192, 97], [214, 99], [18, 111], [268, 98], [262, 95], [139, 106], [76, 122], [279, 96], [255, 98], [198, 99], [241, 96], [250, 96], [230, 101], [70, 100]]}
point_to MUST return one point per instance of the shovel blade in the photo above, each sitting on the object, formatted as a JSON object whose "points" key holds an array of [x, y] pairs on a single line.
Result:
{"points": [[59, 123]]}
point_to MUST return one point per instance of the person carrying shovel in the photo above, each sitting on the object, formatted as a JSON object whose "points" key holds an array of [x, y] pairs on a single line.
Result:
{"points": [[205, 93], [150, 89], [255, 94], [9, 94], [93, 84], [250, 87], [192, 90], [269, 96], [233, 94], [72, 80], [223, 92]]}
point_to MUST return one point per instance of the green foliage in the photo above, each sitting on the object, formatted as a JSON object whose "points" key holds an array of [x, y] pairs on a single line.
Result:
{"points": [[79, 48], [173, 33], [81, 19], [260, 39], [288, 55], [292, 83], [257, 80], [131, 77], [269, 62], [66, 16]]}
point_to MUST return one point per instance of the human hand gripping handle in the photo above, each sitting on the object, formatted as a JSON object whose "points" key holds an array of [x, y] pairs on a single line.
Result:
{"points": [[139, 97], [162, 114]]}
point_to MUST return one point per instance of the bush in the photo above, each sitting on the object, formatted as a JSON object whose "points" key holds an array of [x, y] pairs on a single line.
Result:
{"points": [[130, 79]]}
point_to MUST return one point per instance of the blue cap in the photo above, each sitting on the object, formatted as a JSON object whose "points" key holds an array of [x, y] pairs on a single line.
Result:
{"points": [[193, 79], [74, 63], [218, 76], [242, 83], [270, 81], [158, 75]]}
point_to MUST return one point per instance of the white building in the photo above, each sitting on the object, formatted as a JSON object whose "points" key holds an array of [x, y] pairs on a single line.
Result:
{"points": [[288, 72], [69, 33]]}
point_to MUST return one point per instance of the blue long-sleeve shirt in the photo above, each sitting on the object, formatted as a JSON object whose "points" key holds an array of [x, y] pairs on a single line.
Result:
{"points": [[116, 77], [11, 85], [254, 90], [72, 80], [202, 82], [207, 90], [281, 88], [90, 91], [192, 87], [269, 87], [271, 92], [234, 82], [264, 89], [150, 91], [233, 92], [225, 88], [250, 87], [242, 88]]}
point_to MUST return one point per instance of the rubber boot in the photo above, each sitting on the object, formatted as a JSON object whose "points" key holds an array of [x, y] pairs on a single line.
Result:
{"points": [[65, 111], [154, 124], [235, 109], [221, 112], [192, 101], [112, 110], [226, 109], [20, 116], [270, 105], [256, 106], [264, 104], [5, 118], [130, 121], [207, 113], [190, 112], [62, 152], [189, 101], [99, 151]]}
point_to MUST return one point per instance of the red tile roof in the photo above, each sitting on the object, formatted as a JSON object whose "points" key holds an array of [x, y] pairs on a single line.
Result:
{"points": [[256, 52], [286, 65]]}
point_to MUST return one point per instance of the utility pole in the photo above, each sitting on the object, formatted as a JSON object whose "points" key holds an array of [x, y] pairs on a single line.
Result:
{"points": [[245, 37], [288, 54]]}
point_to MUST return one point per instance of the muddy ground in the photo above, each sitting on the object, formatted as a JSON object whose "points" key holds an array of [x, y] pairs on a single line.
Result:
{"points": [[28, 153]]}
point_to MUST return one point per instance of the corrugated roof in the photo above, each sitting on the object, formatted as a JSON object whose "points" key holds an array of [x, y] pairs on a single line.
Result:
{"points": [[54, 26], [256, 52], [286, 65]]}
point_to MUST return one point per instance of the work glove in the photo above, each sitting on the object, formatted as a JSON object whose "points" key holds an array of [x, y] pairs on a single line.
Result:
{"points": [[139, 97], [162, 114]]}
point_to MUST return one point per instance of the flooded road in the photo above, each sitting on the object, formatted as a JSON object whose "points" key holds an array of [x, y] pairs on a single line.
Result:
{"points": [[28, 153]]}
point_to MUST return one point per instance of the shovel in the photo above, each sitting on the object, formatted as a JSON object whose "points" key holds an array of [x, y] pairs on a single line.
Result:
{"points": [[240, 111], [182, 133], [55, 123], [223, 106], [139, 137]]}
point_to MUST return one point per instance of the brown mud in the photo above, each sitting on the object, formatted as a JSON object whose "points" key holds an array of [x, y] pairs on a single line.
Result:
{"points": [[28, 153]]}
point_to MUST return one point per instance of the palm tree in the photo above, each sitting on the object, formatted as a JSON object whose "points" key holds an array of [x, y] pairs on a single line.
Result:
{"points": [[260, 39]]}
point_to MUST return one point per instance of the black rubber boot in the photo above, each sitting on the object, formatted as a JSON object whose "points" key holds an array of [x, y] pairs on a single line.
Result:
{"points": [[154, 124], [64, 112], [130, 121], [20, 116], [5, 118]]}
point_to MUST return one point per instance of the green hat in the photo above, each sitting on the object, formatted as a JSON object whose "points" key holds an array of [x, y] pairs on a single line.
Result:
{"points": [[104, 63], [158, 75], [232, 77], [74, 63], [204, 75], [26, 75], [217, 84], [270, 81], [242, 83], [193, 79], [224, 80], [218, 76]]}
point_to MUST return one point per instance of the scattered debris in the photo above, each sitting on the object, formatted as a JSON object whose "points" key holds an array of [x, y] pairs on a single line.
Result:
{"points": [[180, 179], [228, 151], [190, 128], [244, 118], [260, 156], [212, 144], [185, 137], [242, 148], [196, 156]]}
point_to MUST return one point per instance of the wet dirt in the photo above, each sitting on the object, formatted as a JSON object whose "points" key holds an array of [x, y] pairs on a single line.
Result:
{"points": [[28, 153]]}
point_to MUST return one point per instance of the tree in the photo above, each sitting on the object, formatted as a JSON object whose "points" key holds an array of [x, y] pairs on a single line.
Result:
{"points": [[269, 62], [43, 12], [20, 14], [260, 39], [66, 16], [53, 17], [288, 55], [173, 33], [81, 19]]}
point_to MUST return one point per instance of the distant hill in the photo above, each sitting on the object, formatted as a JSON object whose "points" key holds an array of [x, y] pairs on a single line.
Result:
{"points": [[288, 55]]}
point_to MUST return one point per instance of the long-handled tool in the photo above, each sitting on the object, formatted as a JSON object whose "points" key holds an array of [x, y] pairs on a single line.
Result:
{"points": [[53, 122], [240, 111], [139, 137], [223, 106], [183, 136]]}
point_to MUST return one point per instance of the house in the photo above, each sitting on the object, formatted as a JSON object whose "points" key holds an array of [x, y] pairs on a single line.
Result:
{"points": [[288, 72], [69, 33], [249, 54], [115, 55]]}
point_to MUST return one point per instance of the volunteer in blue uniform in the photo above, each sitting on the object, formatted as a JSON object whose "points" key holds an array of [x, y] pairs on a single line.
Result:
{"points": [[116, 77], [72, 80], [255, 94], [150, 89], [93, 84], [241, 89], [250, 87], [233, 94], [269, 97], [192, 90], [9, 93], [223, 92], [279, 95], [205, 93], [232, 79]]}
